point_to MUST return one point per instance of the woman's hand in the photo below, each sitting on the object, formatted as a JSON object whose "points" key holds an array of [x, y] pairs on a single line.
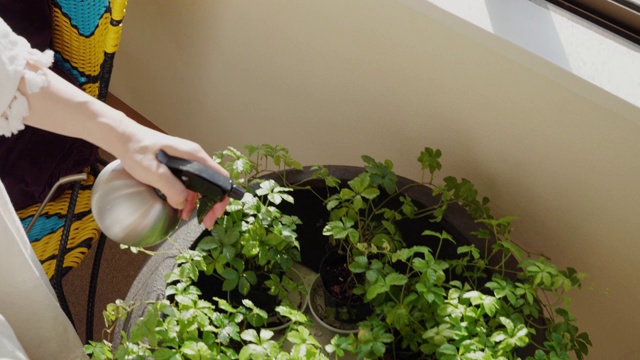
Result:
{"points": [[64, 109], [140, 146]]}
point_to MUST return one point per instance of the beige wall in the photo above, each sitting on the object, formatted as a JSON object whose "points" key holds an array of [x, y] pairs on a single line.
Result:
{"points": [[334, 79]]}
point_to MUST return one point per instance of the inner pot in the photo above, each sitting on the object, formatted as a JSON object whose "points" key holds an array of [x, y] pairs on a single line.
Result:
{"points": [[338, 283]]}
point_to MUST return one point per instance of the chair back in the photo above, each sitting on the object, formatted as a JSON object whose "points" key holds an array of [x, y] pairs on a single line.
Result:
{"points": [[86, 35]]}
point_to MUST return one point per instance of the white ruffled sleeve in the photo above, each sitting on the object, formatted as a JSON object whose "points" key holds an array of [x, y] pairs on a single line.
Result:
{"points": [[15, 51]]}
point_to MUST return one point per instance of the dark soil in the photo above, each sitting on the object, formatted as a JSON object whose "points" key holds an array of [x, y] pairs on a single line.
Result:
{"points": [[339, 281], [259, 296], [338, 284]]}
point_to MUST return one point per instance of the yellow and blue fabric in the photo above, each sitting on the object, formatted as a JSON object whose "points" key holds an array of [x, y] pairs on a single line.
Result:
{"points": [[85, 36], [85, 39], [46, 235]]}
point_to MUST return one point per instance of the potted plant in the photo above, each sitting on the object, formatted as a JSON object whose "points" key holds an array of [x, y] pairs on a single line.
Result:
{"points": [[252, 248], [488, 301], [249, 253], [410, 259], [441, 276], [189, 327]]}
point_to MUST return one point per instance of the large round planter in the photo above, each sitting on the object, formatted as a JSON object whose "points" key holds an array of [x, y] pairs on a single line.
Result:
{"points": [[311, 210], [150, 285], [314, 246]]}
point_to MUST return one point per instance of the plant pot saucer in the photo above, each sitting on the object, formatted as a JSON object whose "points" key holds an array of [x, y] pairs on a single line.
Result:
{"points": [[318, 310]]}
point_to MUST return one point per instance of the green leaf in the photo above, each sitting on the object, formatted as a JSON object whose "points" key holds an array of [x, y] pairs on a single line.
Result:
{"points": [[266, 334], [346, 194], [357, 203], [250, 335], [165, 354], [372, 275], [378, 348], [430, 159], [243, 286], [375, 289], [396, 279], [408, 207], [354, 236], [185, 300], [490, 305], [470, 249], [359, 183], [286, 197], [251, 277], [360, 264], [237, 264], [447, 349], [332, 203], [189, 348], [508, 324], [292, 314], [340, 345], [474, 296], [370, 193], [296, 337], [513, 249], [208, 243], [498, 336], [368, 159], [398, 316], [253, 352], [232, 277]]}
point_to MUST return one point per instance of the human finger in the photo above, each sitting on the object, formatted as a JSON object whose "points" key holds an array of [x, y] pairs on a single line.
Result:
{"points": [[189, 206], [216, 211]]}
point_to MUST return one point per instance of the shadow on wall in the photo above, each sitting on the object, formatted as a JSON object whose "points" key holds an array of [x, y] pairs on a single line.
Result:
{"points": [[537, 30]]}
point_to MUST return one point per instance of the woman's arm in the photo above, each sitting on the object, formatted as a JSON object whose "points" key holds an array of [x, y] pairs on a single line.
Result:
{"points": [[62, 108]]}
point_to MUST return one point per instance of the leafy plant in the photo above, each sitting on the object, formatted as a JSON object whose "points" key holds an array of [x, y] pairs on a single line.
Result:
{"points": [[254, 243], [359, 219], [189, 327], [488, 299], [470, 306]]}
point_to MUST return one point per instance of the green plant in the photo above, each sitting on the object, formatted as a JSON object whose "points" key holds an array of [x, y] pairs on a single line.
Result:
{"points": [[470, 306], [359, 218], [189, 327], [254, 243], [362, 218], [489, 299]]}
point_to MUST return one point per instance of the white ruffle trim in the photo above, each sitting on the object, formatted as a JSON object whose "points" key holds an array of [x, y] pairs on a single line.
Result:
{"points": [[11, 119]]}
